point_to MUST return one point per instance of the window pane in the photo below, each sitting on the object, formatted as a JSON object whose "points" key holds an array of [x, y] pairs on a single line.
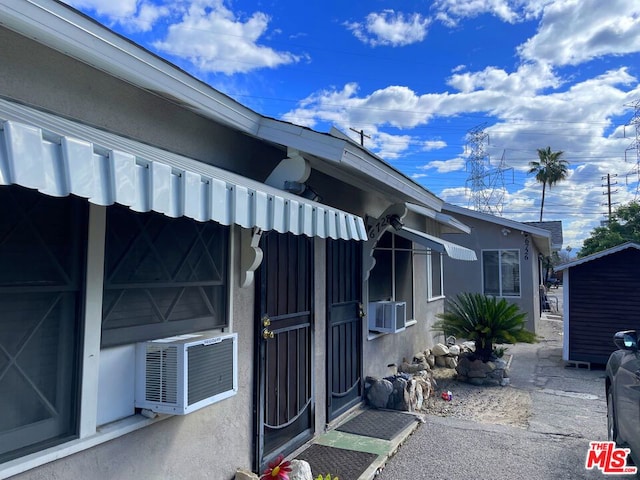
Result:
{"points": [[40, 297], [380, 279], [163, 276], [491, 272], [404, 280], [436, 273], [510, 273]]}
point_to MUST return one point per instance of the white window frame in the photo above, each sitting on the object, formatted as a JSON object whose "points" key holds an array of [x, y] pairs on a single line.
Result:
{"points": [[394, 295], [430, 275], [500, 251]]}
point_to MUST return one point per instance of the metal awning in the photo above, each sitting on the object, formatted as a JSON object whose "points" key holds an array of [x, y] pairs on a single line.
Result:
{"points": [[59, 157], [442, 218], [453, 250]]}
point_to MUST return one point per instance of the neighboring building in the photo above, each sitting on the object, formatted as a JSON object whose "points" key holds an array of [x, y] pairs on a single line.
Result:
{"points": [[510, 260], [139, 203], [600, 298]]}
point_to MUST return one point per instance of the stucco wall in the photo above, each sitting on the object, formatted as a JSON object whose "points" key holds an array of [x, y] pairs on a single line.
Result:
{"points": [[460, 277]]}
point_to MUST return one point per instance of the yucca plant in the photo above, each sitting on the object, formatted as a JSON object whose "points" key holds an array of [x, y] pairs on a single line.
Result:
{"points": [[484, 320]]}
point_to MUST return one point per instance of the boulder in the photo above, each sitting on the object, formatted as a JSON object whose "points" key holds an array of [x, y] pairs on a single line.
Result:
{"points": [[379, 392], [300, 470], [440, 350], [454, 350], [242, 474]]}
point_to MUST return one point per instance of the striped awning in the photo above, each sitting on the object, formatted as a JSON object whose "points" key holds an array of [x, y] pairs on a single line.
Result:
{"points": [[453, 250], [59, 157]]}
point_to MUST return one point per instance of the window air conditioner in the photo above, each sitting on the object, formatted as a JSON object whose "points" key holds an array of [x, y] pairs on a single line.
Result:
{"points": [[387, 317], [181, 374]]}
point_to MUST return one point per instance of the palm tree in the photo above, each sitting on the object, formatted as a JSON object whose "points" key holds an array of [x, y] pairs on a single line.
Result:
{"points": [[485, 320], [549, 170]]}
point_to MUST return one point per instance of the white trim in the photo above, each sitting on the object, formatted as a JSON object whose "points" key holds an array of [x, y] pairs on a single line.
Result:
{"points": [[597, 255], [500, 250], [92, 325], [102, 435]]}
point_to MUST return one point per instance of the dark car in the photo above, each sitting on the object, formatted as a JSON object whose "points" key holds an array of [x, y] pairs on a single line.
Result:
{"points": [[622, 387]]}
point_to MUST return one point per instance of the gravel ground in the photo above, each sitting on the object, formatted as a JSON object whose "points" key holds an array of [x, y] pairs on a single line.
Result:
{"points": [[483, 404]]}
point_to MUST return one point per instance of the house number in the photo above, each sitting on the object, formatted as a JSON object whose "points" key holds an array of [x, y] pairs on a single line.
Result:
{"points": [[526, 247]]}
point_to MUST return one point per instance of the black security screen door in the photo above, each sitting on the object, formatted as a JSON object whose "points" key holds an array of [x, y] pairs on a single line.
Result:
{"points": [[284, 330], [344, 330]]}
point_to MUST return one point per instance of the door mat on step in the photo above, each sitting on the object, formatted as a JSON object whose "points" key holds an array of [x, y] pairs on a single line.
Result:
{"points": [[345, 464], [378, 424]]}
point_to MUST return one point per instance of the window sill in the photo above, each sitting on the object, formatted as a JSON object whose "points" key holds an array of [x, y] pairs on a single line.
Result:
{"points": [[103, 434], [433, 299], [373, 335]]}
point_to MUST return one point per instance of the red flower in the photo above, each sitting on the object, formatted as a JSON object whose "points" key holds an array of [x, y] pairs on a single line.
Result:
{"points": [[278, 469]]}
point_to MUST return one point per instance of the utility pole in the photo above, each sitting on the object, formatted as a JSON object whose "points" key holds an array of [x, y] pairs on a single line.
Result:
{"points": [[362, 135], [608, 192]]}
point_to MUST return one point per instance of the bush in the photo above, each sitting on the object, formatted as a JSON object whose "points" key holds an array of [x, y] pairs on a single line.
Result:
{"points": [[484, 320]]}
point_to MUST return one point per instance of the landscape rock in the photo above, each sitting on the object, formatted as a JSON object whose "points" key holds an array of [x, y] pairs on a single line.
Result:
{"points": [[440, 350], [379, 392], [242, 474], [300, 470]]}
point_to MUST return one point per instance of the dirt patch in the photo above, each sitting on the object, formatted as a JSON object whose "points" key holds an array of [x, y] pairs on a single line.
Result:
{"points": [[483, 404]]}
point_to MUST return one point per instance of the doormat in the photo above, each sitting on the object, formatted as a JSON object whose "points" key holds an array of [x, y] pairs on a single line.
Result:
{"points": [[378, 424], [345, 464]]}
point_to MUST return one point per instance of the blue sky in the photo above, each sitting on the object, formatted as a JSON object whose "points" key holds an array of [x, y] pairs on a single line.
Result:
{"points": [[416, 77]]}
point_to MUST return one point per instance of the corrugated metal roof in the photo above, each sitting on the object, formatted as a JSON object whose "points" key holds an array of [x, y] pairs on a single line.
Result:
{"points": [[453, 250], [59, 157]]}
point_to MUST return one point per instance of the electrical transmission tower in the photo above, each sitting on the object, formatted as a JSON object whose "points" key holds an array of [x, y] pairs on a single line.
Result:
{"points": [[486, 183], [635, 146]]}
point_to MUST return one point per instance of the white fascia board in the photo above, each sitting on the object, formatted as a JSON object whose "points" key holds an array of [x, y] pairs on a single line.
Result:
{"points": [[341, 153], [71, 33], [504, 222], [301, 138]]}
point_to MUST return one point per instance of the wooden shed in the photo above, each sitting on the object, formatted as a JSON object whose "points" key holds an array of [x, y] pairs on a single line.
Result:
{"points": [[601, 297]]}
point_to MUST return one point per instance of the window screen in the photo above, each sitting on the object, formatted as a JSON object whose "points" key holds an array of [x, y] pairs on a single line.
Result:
{"points": [[42, 256], [163, 276]]}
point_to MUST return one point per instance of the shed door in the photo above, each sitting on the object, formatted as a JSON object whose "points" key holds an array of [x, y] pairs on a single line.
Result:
{"points": [[344, 326], [284, 330]]}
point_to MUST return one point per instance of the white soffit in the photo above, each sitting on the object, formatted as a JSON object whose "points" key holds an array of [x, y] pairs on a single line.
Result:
{"points": [[439, 217], [59, 157], [453, 250]]}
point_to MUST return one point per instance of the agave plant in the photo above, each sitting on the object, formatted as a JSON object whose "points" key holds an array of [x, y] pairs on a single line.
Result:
{"points": [[485, 320]]}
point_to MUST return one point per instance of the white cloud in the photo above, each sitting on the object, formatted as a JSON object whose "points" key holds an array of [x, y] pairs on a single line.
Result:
{"points": [[446, 166], [575, 31], [451, 11], [390, 29], [133, 15], [429, 145], [213, 39]]}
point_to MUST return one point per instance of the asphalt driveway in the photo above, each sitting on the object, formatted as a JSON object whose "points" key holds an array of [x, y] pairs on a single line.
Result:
{"points": [[568, 410]]}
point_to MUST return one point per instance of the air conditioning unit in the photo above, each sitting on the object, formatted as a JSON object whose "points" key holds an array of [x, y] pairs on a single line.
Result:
{"points": [[387, 317], [178, 375]]}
